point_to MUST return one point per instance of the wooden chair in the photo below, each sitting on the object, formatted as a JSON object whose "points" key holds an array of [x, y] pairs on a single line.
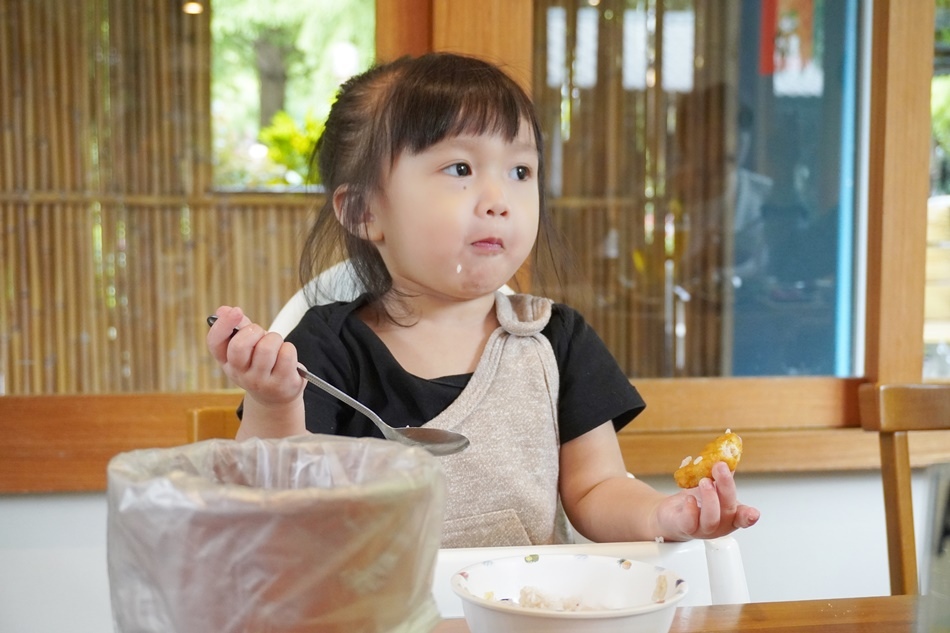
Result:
{"points": [[205, 423], [892, 410]]}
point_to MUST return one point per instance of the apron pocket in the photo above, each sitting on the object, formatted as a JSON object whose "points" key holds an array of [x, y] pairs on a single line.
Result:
{"points": [[492, 529]]}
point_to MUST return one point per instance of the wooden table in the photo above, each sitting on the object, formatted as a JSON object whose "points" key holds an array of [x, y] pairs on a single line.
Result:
{"points": [[881, 614]]}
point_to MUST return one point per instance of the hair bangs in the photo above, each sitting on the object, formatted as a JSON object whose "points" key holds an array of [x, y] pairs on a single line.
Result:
{"points": [[429, 107]]}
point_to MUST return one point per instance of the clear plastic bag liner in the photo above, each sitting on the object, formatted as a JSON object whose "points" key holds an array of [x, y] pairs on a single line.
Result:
{"points": [[312, 533]]}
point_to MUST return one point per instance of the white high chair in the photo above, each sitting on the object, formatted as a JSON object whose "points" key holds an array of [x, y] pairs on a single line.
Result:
{"points": [[337, 283], [713, 569]]}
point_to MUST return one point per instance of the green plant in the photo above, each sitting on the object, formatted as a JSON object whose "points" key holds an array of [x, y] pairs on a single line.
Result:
{"points": [[291, 145]]}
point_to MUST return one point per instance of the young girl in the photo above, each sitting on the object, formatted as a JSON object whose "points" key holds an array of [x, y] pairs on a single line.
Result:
{"points": [[433, 173]]}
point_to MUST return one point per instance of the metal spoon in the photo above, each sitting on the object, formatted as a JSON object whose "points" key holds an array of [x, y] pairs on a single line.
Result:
{"points": [[437, 441]]}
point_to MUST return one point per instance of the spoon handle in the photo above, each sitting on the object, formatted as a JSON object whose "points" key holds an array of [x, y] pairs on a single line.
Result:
{"points": [[316, 381]]}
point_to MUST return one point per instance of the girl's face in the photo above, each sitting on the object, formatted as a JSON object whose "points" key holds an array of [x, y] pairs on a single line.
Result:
{"points": [[459, 218]]}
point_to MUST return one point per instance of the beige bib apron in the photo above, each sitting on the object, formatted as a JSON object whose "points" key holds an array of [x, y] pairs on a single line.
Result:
{"points": [[503, 489]]}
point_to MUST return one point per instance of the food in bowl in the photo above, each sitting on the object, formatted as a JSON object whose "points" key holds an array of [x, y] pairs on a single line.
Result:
{"points": [[534, 598], [568, 593], [725, 448]]}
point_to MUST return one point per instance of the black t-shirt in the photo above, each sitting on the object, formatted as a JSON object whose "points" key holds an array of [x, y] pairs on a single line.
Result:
{"points": [[334, 344]]}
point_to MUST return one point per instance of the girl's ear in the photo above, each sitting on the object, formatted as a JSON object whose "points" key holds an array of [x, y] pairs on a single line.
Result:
{"points": [[353, 212]]}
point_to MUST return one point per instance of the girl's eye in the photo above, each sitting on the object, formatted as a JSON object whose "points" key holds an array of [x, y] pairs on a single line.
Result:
{"points": [[458, 169], [521, 172]]}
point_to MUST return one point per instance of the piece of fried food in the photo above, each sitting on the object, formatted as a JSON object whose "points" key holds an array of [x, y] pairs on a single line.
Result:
{"points": [[725, 448]]}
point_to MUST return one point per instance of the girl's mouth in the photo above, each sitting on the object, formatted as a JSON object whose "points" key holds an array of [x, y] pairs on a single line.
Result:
{"points": [[489, 243]]}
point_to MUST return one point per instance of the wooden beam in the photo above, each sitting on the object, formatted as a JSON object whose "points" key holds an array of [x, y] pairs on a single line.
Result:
{"points": [[715, 404], [780, 451], [500, 31], [898, 179], [64, 443], [403, 27]]}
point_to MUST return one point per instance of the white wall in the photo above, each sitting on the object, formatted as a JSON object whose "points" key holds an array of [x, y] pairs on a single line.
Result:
{"points": [[820, 536], [53, 575]]}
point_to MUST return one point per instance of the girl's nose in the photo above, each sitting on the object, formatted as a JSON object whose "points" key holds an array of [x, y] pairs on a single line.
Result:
{"points": [[493, 202]]}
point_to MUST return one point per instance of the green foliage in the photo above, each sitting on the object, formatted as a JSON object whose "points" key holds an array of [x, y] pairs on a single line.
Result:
{"points": [[942, 30], [310, 35], [290, 145], [940, 111]]}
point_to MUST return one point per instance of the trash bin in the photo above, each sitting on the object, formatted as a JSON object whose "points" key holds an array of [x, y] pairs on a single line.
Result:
{"points": [[311, 533]]}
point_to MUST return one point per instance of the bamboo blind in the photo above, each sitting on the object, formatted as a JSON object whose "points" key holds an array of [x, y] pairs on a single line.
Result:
{"points": [[642, 179], [114, 248]]}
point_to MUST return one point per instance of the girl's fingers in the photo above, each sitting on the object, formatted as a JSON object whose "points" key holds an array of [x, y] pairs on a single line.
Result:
{"points": [[710, 513], [746, 516], [286, 359], [259, 362], [711, 509], [251, 350], [263, 362], [725, 485], [217, 337], [287, 364], [222, 330], [679, 515], [230, 318]]}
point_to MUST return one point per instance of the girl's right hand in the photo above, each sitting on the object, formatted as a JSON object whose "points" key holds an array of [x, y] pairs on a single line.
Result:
{"points": [[259, 362]]}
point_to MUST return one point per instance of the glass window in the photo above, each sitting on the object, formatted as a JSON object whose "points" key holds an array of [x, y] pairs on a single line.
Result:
{"points": [[675, 151], [116, 243], [274, 75], [701, 160]]}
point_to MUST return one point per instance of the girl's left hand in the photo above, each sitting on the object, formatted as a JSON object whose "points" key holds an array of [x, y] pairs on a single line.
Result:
{"points": [[708, 511]]}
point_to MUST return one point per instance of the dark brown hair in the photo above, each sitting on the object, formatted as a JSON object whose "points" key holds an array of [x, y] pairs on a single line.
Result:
{"points": [[405, 106]]}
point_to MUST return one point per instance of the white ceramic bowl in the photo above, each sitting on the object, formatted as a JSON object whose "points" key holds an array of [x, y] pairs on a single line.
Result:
{"points": [[568, 593]]}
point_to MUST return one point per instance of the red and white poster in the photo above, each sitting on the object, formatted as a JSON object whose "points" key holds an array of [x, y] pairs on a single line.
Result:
{"points": [[787, 47]]}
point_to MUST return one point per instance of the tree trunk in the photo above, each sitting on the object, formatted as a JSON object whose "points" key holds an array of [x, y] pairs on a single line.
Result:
{"points": [[271, 59]]}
